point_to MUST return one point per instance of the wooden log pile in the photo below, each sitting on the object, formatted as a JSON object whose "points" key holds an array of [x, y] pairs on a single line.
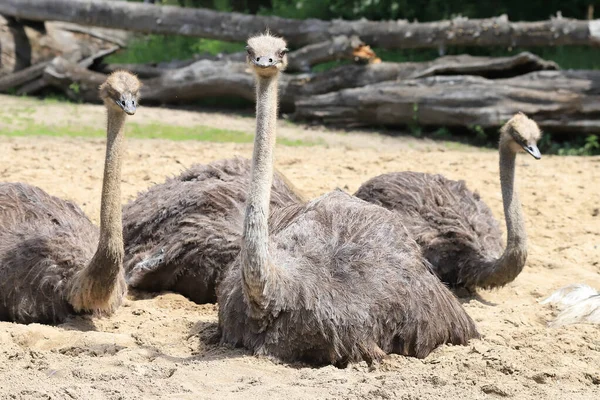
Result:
{"points": [[451, 91], [26, 48], [224, 78], [560, 101]]}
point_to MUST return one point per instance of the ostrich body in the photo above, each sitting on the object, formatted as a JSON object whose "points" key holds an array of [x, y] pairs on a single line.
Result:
{"points": [[456, 230], [335, 280], [181, 234], [577, 304], [53, 261]]}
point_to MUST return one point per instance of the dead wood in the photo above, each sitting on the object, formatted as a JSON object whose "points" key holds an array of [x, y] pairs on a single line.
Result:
{"points": [[147, 18], [561, 101], [25, 44], [206, 78]]}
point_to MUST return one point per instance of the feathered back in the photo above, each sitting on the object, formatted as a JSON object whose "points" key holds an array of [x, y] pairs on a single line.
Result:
{"points": [[21, 202], [44, 241], [569, 295], [454, 227], [578, 303], [350, 285], [181, 234]]}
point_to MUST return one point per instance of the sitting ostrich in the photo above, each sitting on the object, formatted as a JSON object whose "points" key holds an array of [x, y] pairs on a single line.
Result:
{"points": [[335, 280], [577, 303], [456, 230], [181, 234], [53, 261]]}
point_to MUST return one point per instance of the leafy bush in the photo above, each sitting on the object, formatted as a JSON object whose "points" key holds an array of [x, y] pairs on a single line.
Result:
{"points": [[160, 48], [426, 10]]}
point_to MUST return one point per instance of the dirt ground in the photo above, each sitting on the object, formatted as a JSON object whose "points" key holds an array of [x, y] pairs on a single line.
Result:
{"points": [[157, 347]]}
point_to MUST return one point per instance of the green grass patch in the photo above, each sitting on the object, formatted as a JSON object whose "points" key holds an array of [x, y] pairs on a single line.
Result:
{"points": [[149, 131]]}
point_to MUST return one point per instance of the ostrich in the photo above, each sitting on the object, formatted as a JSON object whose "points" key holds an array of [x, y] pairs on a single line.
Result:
{"points": [[577, 304], [53, 261], [456, 230], [335, 280], [181, 234]]}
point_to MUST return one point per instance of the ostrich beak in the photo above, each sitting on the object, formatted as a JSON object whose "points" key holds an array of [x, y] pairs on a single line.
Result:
{"points": [[127, 105], [265, 61], [533, 150]]}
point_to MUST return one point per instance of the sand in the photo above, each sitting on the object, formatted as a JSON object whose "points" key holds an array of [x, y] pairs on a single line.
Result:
{"points": [[159, 346]]}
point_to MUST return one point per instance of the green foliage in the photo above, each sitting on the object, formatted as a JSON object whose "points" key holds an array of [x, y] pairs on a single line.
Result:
{"points": [[581, 146], [158, 48], [426, 10], [442, 133], [163, 48], [75, 87]]}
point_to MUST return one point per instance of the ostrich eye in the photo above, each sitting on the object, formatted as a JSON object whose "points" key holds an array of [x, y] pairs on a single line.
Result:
{"points": [[248, 50], [283, 52]]}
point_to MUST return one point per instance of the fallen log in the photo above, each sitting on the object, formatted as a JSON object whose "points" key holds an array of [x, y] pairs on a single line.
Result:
{"points": [[30, 80], [76, 81], [22, 77], [301, 60], [203, 79], [206, 78], [560, 101], [338, 48], [115, 36], [350, 76], [147, 18]]}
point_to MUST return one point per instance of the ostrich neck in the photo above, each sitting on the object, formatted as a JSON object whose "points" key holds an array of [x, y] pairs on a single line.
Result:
{"points": [[506, 268], [515, 227], [109, 255], [257, 271]]}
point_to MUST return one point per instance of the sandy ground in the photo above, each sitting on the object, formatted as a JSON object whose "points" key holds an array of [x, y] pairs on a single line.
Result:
{"points": [[159, 347]]}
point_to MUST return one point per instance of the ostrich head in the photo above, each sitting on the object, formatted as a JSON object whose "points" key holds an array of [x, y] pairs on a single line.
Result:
{"points": [[267, 54], [521, 134], [120, 92]]}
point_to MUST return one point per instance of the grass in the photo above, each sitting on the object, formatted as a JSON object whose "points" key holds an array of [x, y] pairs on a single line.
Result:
{"points": [[201, 133]]}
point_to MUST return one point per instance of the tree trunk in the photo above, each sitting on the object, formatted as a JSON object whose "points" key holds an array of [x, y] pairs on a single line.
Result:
{"points": [[561, 101], [26, 44], [146, 18], [15, 49]]}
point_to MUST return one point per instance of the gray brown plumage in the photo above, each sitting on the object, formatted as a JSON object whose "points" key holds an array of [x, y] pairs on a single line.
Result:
{"points": [[53, 261], [336, 280], [181, 234], [456, 230]]}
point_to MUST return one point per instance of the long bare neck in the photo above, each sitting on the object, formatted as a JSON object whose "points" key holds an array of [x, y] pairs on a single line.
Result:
{"points": [[510, 264], [257, 270], [109, 256], [515, 226]]}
